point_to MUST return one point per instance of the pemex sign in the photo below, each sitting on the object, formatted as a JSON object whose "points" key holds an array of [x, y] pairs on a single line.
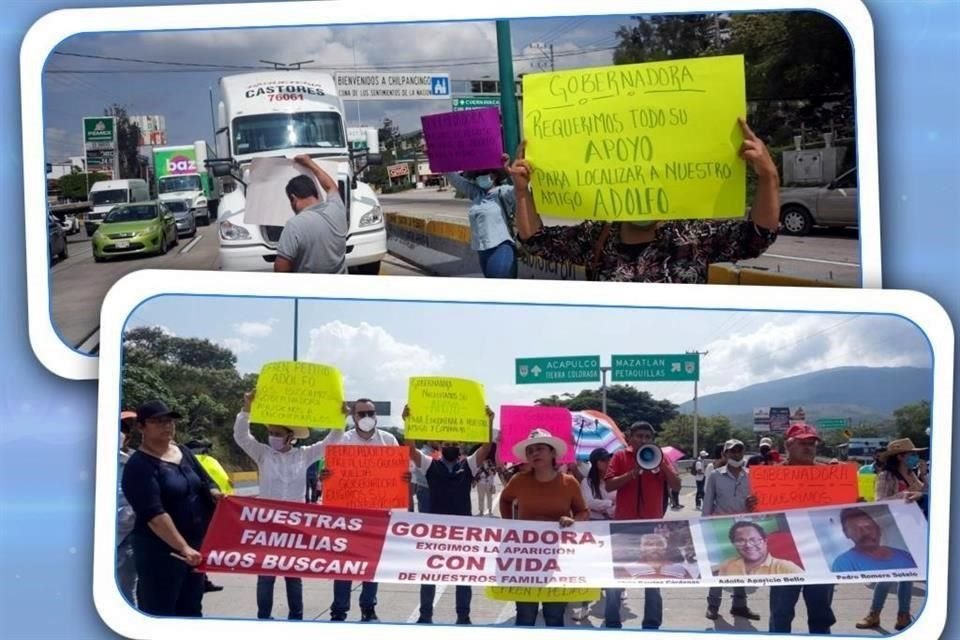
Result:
{"points": [[100, 130]]}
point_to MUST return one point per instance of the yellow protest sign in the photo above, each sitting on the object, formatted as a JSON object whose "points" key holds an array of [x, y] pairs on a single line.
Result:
{"points": [[299, 394], [653, 141], [542, 594], [450, 409]]}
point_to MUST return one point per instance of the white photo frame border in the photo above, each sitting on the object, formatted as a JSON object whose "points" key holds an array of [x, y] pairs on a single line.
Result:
{"points": [[135, 289], [52, 29]]}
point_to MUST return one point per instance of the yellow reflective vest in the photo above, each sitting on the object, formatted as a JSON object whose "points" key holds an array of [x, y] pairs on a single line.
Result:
{"points": [[216, 473]]}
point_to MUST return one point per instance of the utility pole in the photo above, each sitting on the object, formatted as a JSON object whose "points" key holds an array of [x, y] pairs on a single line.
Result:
{"points": [[543, 48], [696, 408], [603, 389], [213, 123], [296, 322], [508, 96]]}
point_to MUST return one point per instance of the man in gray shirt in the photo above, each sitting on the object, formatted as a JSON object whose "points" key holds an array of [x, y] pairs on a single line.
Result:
{"points": [[728, 492], [315, 239]]}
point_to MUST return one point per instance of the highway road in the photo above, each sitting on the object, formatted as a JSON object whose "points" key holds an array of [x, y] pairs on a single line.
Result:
{"points": [[78, 284], [825, 254]]}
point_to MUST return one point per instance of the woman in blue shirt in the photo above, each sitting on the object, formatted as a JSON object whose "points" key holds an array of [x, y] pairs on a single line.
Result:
{"points": [[491, 214]]}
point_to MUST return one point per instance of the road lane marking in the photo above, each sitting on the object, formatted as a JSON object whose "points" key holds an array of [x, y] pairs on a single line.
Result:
{"points": [[816, 260], [191, 244]]}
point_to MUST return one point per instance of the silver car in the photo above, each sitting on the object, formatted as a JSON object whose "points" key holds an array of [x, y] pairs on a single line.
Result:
{"points": [[186, 219], [833, 205]]}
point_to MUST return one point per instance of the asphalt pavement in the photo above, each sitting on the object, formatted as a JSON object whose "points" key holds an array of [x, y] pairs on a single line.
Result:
{"points": [[683, 608]]}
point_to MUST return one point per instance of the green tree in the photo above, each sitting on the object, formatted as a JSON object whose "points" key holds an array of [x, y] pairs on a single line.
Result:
{"points": [[665, 38], [128, 142], [625, 404], [912, 421], [711, 431], [389, 136], [73, 186]]}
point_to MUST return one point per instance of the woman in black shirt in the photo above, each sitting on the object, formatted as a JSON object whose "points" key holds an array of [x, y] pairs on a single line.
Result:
{"points": [[173, 500]]}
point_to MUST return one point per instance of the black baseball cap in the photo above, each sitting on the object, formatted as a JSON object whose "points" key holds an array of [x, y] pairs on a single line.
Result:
{"points": [[599, 454], [155, 409]]}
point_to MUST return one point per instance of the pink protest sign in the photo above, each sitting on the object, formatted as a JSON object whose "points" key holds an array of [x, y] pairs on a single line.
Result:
{"points": [[517, 422], [463, 140]]}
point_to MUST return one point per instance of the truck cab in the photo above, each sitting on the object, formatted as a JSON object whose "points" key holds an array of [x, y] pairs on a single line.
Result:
{"points": [[182, 176], [107, 194], [285, 114]]}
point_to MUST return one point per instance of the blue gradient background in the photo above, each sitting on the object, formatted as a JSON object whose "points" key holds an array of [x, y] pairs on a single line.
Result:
{"points": [[46, 433]]}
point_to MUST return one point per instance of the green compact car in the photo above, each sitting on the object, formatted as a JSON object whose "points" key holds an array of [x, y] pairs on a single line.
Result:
{"points": [[137, 228]]}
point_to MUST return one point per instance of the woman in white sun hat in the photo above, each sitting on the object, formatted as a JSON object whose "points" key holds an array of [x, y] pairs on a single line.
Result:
{"points": [[542, 493]]}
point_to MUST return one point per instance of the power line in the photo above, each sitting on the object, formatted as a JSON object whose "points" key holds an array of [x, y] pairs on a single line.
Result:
{"points": [[144, 61], [211, 67]]}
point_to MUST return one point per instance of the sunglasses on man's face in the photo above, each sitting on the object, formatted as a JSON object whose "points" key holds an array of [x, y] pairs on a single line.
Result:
{"points": [[367, 414]]}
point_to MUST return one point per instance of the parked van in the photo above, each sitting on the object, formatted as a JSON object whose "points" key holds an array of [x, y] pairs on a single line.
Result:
{"points": [[107, 194]]}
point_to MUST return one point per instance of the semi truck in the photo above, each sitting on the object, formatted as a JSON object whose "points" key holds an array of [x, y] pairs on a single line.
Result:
{"points": [[286, 113], [181, 174]]}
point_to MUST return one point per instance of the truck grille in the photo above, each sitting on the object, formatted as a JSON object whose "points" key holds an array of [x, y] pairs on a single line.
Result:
{"points": [[271, 233]]}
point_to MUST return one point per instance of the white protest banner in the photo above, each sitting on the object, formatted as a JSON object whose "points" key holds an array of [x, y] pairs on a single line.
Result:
{"points": [[860, 542], [266, 196]]}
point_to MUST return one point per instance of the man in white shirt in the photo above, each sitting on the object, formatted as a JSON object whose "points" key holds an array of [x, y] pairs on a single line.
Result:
{"points": [[281, 468], [366, 434], [699, 475]]}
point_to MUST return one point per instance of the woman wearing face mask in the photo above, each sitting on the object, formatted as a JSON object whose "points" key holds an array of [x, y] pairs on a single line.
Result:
{"points": [[491, 213], [896, 480], [678, 251], [281, 468], [542, 493]]}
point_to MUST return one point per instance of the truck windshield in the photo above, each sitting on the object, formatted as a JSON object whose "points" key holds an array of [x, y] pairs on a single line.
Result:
{"points": [[273, 131], [179, 183], [112, 196]]}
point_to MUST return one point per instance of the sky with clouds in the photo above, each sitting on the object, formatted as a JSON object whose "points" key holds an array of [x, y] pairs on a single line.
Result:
{"points": [[379, 345], [75, 87]]}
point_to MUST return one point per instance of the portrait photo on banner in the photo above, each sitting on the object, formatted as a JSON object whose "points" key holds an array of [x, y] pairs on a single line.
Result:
{"points": [[686, 162], [757, 545], [653, 551], [862, 538]]}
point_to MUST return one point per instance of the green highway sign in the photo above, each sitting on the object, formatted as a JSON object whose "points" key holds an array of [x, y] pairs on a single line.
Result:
{"points": [[655, 368], [463, 103], [833, 423], [100, 129], [558, 369]]}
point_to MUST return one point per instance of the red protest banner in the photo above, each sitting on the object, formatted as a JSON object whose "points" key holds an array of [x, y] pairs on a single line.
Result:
{"points": [[272, 537], [367, 477], [781, 487]]}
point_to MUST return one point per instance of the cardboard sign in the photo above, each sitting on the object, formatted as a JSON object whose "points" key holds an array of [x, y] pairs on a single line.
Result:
{"points": [[446, 409], [266, 201], [463, 140], [299, 394], [367, 477], [654, 141], [780, 487], [542, 594], [516, 423]]}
